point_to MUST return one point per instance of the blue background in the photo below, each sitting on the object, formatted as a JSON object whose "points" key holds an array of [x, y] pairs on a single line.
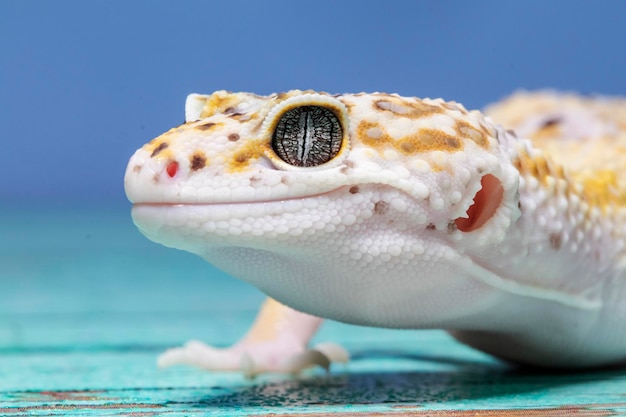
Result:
{"points": [[86, 302], [83, 84]]}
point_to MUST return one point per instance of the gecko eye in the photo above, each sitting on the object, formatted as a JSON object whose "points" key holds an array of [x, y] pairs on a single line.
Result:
{"points": [[307, 136]]}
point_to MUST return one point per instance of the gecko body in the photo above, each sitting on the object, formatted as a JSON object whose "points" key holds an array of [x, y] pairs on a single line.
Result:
{"points": [[382, 210]]}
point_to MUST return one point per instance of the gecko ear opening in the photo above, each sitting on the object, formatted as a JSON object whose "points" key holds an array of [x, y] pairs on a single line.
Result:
{"points": [[486, 203]]}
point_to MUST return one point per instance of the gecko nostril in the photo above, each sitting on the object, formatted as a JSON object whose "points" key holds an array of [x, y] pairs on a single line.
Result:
{"points": [[172, 168]]}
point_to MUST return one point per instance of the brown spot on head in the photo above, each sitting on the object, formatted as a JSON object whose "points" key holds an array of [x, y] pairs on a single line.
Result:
{"points": [[550, 128], [232, 112], [197, 161], [556, 240], [355, 189], [242, 158], [233, 137], [206, 126], [452, 227], [381, 207], [552, 121], [137, 168], [431, 227], [158, 149]]}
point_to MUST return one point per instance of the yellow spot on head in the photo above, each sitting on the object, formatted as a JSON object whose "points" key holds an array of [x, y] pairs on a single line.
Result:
{"points": [[218, 102], [372, 134], [245, 155], [424, 140], [601, 188]]}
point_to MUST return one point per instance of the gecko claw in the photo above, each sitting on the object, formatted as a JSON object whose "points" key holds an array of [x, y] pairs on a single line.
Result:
{"points": [[334, 352], [307, 359]]}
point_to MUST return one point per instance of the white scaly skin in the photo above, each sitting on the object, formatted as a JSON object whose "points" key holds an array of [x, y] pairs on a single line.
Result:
{"points": [[376, 236]]}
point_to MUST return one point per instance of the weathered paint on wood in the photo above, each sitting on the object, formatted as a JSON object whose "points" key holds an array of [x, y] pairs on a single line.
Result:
{"points": [[86, 304]]}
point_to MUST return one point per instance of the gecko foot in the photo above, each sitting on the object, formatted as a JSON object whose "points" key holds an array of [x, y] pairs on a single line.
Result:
{"points": [[254, 359]]}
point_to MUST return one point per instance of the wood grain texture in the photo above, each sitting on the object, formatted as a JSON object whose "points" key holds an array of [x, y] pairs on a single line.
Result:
{"points": [[87, 304]]}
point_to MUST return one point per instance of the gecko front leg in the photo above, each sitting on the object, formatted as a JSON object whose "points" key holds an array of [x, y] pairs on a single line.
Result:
{"points": [[277, 342]]}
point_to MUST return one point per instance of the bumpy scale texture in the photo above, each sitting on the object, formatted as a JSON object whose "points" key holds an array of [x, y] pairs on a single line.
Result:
{"points": [[407, 213]]}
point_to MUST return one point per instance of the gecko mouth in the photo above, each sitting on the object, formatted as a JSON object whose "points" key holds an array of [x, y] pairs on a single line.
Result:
{"points": [[158, 218], [238, 202]]}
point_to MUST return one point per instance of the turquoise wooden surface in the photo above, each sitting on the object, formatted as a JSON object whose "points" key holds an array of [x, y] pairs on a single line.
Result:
{"points": [[87, 304]]}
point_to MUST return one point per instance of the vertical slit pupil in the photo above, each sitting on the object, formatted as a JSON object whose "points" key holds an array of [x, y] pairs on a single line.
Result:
{"points": [[307, 136]]}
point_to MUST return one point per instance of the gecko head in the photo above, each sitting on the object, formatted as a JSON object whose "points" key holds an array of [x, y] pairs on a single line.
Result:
{"points": [[305, 182]]}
